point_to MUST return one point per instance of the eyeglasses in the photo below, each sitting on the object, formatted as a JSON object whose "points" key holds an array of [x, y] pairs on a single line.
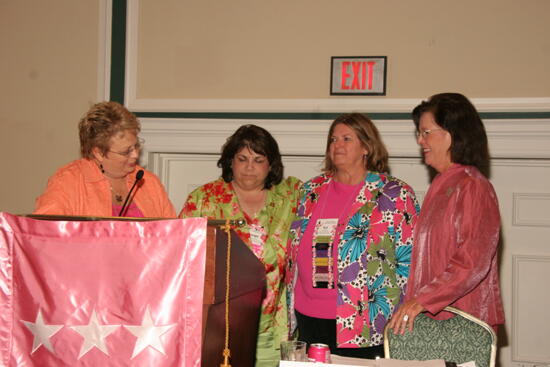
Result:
{"points": [[425, 133], [135, 148]]}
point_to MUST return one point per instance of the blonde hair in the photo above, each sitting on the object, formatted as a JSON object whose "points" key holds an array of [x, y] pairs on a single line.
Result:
{"points": [[103, 121]]}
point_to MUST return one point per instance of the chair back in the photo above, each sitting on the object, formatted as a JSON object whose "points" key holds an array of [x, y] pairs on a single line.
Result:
{"points": [[460, 339]]}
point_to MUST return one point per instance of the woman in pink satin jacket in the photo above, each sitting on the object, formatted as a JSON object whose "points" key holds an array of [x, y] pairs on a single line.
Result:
{"points": [[454, 260]]}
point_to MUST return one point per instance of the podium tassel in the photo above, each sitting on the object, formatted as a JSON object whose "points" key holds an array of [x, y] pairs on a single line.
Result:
{"points": [[226, 351], [226, 355]]}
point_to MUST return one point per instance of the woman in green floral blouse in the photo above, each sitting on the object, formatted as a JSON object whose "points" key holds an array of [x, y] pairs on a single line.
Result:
{"points": [[252, 188]]}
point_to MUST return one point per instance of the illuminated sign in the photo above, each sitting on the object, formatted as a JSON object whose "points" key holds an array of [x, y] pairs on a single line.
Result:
{"points": [[358, 75]]}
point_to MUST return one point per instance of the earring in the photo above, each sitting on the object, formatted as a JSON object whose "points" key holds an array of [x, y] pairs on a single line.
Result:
{"points": [[101, 168]]}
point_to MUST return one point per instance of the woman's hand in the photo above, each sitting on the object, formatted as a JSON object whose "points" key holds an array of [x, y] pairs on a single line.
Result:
{"points": [[404, 317]]}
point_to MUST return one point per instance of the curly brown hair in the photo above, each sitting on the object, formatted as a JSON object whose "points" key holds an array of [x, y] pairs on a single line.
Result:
{"points": [[260, 141]]}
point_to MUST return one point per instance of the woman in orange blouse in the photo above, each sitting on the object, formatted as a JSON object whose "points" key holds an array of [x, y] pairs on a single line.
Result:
{"points": [[99, 182]]}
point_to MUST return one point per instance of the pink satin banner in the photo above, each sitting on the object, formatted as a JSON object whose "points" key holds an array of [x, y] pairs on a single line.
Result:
{"points": [[103, 293]]}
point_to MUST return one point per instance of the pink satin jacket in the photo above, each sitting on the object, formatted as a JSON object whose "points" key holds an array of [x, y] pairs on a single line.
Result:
{"points": [[454, 260]]}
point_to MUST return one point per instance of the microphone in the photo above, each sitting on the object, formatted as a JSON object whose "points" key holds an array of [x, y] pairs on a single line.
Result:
{"points": [[139, 176]]}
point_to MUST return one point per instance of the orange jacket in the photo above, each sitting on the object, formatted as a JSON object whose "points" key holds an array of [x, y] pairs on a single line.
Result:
{"points": [[79, 188]]}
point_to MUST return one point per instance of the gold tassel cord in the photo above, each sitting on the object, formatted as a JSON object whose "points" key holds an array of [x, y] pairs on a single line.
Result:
{"points": [[226, 351]]}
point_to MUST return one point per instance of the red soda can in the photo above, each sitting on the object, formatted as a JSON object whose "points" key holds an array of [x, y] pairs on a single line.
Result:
{"points": [[319, 353]]}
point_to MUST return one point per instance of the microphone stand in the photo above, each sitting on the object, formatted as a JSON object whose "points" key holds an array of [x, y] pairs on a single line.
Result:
{"points": [[139, 176]]}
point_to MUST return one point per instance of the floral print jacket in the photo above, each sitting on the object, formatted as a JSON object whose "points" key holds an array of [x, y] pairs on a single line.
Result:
{"points": [[218, 200], [374, 254]]}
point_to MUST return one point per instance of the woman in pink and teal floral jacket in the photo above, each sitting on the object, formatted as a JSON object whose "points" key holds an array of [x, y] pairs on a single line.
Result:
{"points": [[351, 245]]}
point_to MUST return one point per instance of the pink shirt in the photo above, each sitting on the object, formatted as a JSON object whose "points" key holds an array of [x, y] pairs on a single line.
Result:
{"points": [[335, 203], [132, 211]]}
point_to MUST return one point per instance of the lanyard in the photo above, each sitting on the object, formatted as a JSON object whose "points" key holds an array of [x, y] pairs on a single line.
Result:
{"points": [[324, 234]]}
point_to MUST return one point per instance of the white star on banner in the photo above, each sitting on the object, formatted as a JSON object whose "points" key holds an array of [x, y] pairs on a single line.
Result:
{"points": [[94, 335], [148, 334], [42, 332]]}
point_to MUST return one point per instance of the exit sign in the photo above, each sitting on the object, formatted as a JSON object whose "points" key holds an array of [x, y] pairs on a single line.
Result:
{"points": [[358, 75]]}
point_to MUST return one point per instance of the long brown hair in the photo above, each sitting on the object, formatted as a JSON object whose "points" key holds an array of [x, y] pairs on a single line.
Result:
{"points": [[366, 131], [454, 113]]}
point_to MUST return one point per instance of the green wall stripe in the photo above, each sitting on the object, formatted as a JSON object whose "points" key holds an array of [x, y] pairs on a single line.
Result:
{"points": [[118, 51], [515, 115], [322, 116]]}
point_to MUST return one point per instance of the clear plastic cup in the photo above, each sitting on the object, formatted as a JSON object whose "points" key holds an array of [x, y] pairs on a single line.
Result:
{"points": [[293, 350]]}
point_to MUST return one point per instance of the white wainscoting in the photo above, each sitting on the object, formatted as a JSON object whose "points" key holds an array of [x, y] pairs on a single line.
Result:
{"points": [[531, 324], [184, 154]]}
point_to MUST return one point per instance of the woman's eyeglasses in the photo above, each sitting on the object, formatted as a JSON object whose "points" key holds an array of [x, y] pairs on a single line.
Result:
{"points": [[135, 148], [425, 133]]}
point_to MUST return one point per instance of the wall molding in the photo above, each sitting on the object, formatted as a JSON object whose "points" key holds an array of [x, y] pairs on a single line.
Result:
{"points": [[337, 105], [104, 49], [162, 163], [528, 200], [528, 163], [522, 142], [517, 261]]}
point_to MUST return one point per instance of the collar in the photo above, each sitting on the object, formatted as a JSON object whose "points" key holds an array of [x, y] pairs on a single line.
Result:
{"points": [[91, 171]]}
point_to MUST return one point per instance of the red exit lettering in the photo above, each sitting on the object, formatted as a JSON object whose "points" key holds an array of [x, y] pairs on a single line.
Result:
{"points": [[361, 75]]}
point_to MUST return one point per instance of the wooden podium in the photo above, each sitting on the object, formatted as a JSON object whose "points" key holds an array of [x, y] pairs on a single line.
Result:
{"points": [[247, 289]]}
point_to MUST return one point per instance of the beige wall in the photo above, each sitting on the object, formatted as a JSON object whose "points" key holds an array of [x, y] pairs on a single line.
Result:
{"points": [[248, 49], [282, 49], [48, 74]]}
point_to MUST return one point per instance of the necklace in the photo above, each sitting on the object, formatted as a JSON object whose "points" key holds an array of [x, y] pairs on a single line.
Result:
{"points": [[118, 198], [250, 207]]}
